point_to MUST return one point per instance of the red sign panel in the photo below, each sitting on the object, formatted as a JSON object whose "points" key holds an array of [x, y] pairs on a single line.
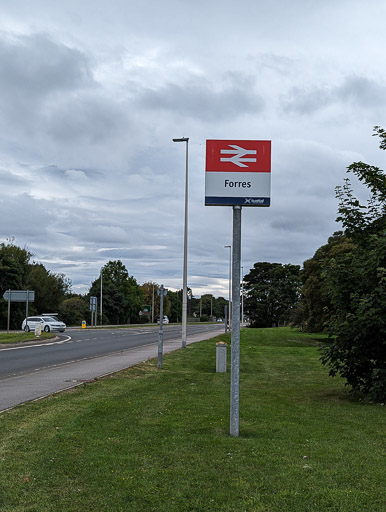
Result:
{"points": [[238, 156]]}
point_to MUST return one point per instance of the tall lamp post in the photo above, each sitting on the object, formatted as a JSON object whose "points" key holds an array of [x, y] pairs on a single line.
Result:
{"points": [[230, 286], [185, 270]]}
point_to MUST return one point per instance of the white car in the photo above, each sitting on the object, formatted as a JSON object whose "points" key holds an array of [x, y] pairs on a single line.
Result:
{"points": [[48, 324], [164, 321]]}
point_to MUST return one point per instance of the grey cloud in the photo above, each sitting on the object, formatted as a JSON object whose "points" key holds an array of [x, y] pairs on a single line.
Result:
{"points": [[41, 87], [203, 100], [24, 216], [300, 220], [86, 118], [280, 64], [361, 91], [33, 66], [9, 181], [306, 100]]}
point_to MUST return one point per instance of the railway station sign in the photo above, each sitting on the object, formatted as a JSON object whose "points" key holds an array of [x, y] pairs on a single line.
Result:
{"points": [[238, 172]]}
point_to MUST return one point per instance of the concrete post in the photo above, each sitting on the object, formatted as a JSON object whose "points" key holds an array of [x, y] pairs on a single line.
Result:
{"points": [[221, 357]]}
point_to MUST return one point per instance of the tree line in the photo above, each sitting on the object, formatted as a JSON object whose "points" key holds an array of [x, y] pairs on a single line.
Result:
{"points": [[124, 300]]}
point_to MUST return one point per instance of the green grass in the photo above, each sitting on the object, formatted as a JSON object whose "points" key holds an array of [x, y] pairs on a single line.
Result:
{"points": [[150, 440], [22, 337]]}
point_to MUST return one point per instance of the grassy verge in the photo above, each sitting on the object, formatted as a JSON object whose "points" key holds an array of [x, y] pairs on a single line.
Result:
{"points": [[21, 337], [150, 440]]}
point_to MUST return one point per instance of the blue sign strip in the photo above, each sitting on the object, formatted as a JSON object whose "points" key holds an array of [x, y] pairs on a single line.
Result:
{"points": [[242, 201]]}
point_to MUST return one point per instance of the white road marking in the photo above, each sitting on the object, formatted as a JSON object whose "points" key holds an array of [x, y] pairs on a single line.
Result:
{"points": [[37, 345]]}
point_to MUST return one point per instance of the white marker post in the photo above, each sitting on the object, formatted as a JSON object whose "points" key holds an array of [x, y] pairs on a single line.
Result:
{"points": [[241, 178]]}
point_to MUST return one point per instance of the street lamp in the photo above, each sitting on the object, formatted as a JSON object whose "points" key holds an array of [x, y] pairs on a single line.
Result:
{"points": [[185, 271], [230, 285]]}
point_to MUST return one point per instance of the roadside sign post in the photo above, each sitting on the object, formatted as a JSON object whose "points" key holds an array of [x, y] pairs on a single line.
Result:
{"points": [[162, 293], [238, 173], [26, 296], [9, 310], [93, 309], [26, 311]]}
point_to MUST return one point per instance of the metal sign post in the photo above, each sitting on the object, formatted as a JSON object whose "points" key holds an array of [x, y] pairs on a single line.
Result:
{"points": [[93, 309], [9, 310], [18, 296], [238, 173], [162, 293], [235, 337], [26, 311]]}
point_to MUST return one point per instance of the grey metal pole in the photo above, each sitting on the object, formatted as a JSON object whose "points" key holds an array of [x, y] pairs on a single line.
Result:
{"points": [[26, 309], [9, 309], [185, 269], [101, 320], [235, 338], [242, 295], [230, 287], [152, 307], [185, 274], [161, 332]]}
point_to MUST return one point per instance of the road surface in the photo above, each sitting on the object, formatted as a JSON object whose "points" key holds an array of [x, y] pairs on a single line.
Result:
{"points": [[29, 372]]}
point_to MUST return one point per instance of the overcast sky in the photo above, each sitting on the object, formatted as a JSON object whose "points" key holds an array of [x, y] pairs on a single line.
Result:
{"points": [[93, 91]]}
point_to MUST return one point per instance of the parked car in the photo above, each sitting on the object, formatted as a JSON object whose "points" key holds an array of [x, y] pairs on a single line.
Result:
{"points": [[164, 321], [48, 324]]}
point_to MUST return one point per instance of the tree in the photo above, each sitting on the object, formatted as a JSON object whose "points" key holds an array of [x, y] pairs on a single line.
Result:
{"points": [[122, 296], [74, 310], [13, 261], [50, 289], [314, 308], [149, 289], [174, 305], [272, 291], [18, 273], [356, 286], [219, 305]]}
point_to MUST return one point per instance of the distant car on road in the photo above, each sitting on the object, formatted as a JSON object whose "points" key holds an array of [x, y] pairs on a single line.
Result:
{"points": [[48, 323], [164, 321]]}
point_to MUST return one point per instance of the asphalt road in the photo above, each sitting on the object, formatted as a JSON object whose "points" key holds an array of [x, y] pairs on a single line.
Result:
{"points": [[83, 344], [31, 372]]}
